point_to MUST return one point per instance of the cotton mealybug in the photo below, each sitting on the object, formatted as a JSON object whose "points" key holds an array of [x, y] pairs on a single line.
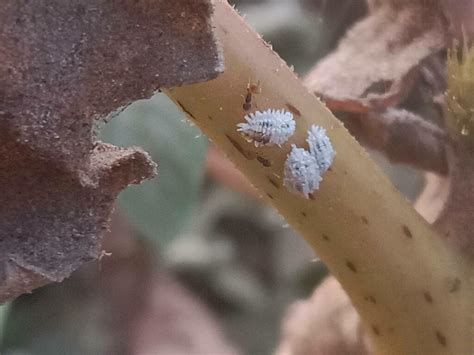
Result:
{"points": [[268, 127], [320, 147], [302, 174]]}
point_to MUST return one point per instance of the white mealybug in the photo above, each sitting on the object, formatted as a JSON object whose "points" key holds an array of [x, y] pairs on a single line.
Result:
{"points": [[302, 173], [268, 127], [320, 147]]}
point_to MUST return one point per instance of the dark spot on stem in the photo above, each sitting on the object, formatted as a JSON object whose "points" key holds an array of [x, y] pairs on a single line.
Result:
{"points": [[270, 196], [210, 118], [441, 338], [365, 220], [407, 232], [375, 329], [370, 299], [265, 162], [273, 182], [247, 155], [326, 238], [455, 285], [304, 214], [293, 110], [428, 297], [351, 266], [185, 110]]}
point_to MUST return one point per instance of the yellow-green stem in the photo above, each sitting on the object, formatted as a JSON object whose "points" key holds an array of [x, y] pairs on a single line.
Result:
{"points": [[412, 291]]}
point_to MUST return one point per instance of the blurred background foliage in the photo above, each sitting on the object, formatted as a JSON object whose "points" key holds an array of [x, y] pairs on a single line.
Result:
{"points": [[160, 208], [235, 259]]}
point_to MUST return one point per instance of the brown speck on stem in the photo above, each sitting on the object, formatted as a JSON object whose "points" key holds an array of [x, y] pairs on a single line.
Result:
{"points": [[370, 299], [441, 338], [428, 297], [185, 110], [351, 266], [365, 220], [376, 330], [265, 162], [326, 238], [293, 110], [407, 232], [246, 154], [270, 196], [455, 285], [273, 182]]}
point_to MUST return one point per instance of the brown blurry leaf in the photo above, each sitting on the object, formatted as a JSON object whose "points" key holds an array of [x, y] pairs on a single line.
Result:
{"points": [[175, 322], [325, 324], [63, 64], [460, 14], [376, 63], [403, 136]]}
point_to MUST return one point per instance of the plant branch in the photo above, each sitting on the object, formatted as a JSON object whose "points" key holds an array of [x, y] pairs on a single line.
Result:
{"points": [[367, 234]]}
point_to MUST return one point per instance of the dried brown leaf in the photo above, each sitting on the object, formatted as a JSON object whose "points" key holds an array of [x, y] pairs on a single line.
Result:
{"points": [[63, 64], [376, 63], [325, 324], [404, 137]]}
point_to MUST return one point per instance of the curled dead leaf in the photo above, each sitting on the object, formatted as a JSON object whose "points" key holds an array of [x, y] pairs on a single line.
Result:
{"points": [[63, 65], [376, 62]]}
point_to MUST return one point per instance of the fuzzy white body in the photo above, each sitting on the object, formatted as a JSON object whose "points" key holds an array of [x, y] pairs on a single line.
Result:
{"points": [[304, 169], [268, 127], [302, 174], [320, 147]]}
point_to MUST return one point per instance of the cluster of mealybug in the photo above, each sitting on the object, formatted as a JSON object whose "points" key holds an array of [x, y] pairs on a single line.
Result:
{"points": [[302, 174], [303, 169], [268, 127], [320, 147]]}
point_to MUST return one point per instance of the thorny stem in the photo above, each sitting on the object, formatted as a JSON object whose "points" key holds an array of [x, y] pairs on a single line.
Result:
{"points": [[411, 290]]}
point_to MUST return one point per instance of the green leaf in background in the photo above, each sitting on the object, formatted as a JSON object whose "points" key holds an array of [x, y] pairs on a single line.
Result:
{"points": [[61, 318], [159, 208]]}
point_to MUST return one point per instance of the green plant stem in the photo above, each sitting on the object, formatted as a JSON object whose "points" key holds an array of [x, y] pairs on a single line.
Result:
{"points": [[412, 290]]}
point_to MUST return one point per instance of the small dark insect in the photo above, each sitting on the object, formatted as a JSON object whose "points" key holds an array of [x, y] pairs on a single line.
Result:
{"points": [[251, 89]]}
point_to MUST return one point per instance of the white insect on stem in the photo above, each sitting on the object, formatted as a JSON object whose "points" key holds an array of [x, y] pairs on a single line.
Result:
{"points": [[320, 147], [268, 127], [303, 169], [302, 173]]}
